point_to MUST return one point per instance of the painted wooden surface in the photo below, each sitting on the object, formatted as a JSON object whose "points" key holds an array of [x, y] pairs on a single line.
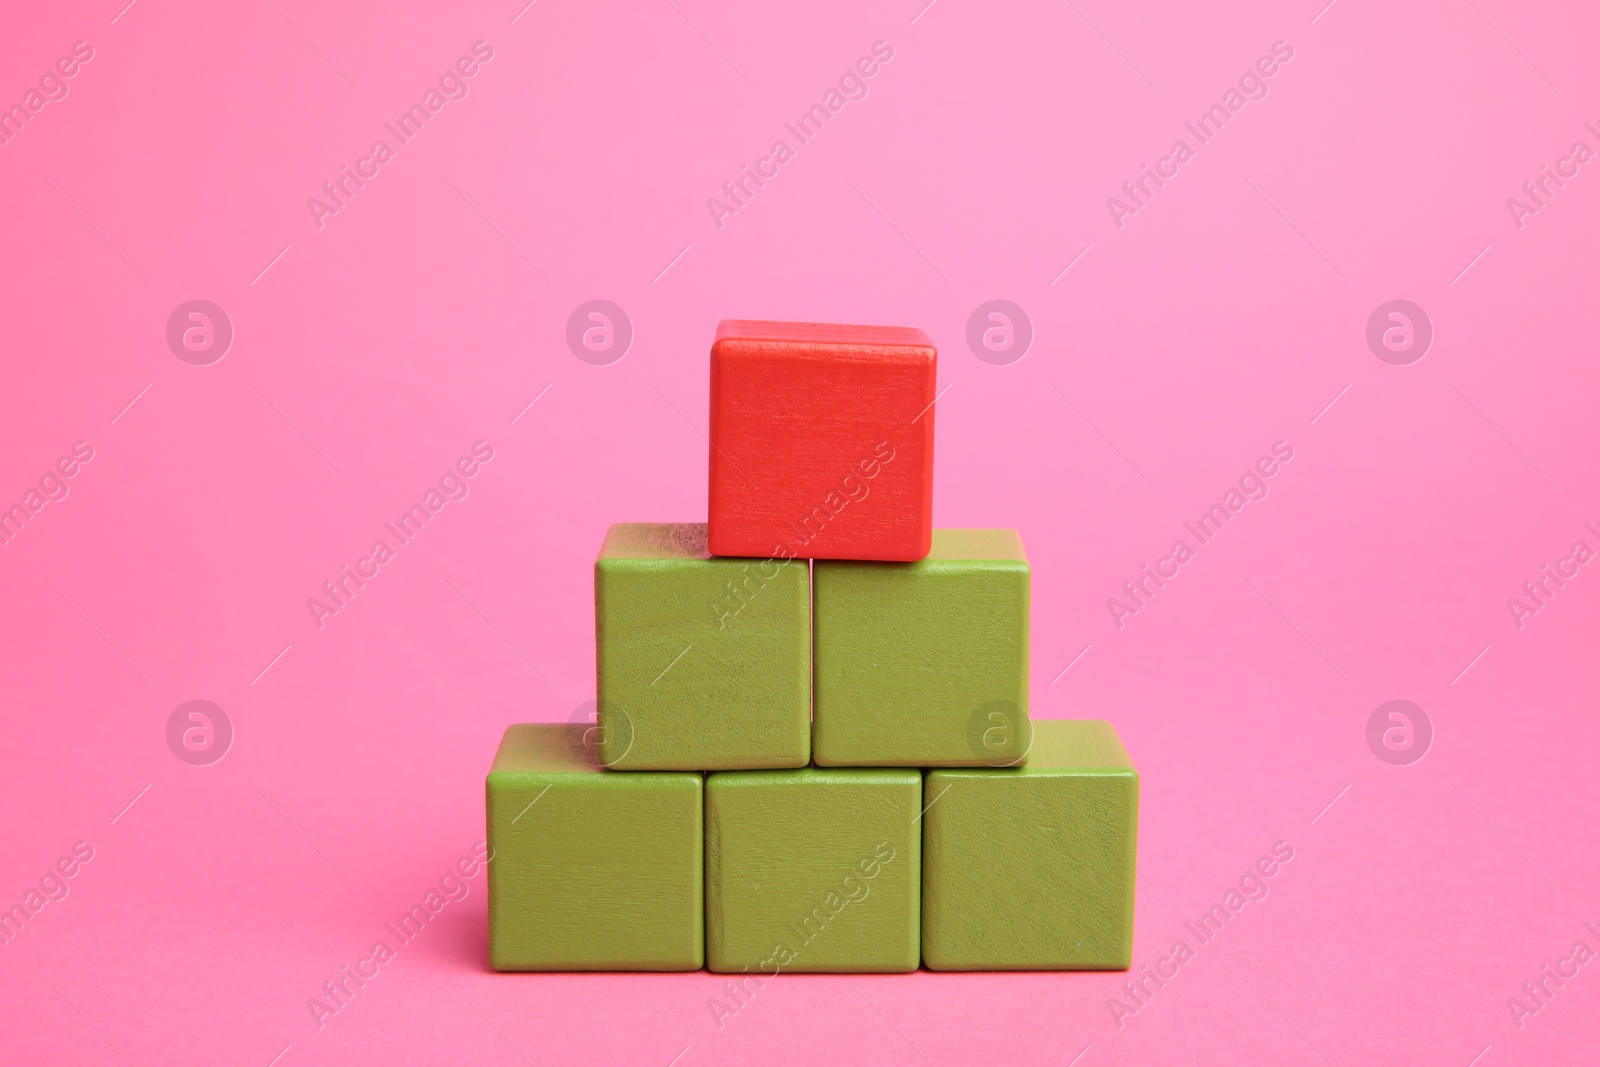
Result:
{"points": [[591, 870], [821, 441], [701, 663], [1033, 868], [813, 870], [924, 664]]}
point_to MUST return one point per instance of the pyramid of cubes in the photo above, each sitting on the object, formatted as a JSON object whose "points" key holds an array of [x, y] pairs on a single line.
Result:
{"points": [[812, 749]]}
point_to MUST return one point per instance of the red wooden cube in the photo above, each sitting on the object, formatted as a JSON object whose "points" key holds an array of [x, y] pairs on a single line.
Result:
{"points": [[821, 441]]}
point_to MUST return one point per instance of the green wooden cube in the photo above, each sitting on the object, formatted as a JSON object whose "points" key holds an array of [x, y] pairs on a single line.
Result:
{"points": [[591, 870], [924, 664], [1032, 868], [813, 870], [702, 662]]}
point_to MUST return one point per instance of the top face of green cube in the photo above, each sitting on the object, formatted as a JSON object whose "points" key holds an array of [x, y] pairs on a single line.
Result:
{"points": [[543, 748], [655, 540], [702, 663], [1067, 747], [991, 546], [829, 779], [924, 664]]}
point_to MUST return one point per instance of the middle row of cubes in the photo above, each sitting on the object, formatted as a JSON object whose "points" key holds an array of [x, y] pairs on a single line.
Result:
{"points": [[713, 663]]}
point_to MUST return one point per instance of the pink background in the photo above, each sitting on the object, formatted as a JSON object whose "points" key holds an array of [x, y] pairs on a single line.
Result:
{"points": [[425, 315]]}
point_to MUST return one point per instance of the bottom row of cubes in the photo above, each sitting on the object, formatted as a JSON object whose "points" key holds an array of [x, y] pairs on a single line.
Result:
{"points": [[815, 869]]}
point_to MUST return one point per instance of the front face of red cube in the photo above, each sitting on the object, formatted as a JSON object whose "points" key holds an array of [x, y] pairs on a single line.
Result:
{"points": [[821, 441]]}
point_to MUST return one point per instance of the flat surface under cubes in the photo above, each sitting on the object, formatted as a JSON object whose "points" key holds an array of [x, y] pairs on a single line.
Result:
{"points": [[1382, 553]]}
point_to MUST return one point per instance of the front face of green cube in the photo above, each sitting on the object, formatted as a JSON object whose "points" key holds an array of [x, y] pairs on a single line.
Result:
{"points": [[593, 871], [1030, 869], [922, 664], [813, 871], [703, 663]]}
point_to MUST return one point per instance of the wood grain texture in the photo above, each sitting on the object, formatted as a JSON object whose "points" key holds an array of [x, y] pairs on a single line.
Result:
{"points": [[701, 662], [1033, 868], [924, 664], [591, 870], [821, 441], [813, 870]]}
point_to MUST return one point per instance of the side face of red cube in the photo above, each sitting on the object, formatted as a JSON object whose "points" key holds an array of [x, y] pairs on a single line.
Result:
{"points": [[821, 441]]}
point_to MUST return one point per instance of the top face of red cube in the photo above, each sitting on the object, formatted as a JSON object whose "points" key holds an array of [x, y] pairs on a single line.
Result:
{"points": [[821, 441]]}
